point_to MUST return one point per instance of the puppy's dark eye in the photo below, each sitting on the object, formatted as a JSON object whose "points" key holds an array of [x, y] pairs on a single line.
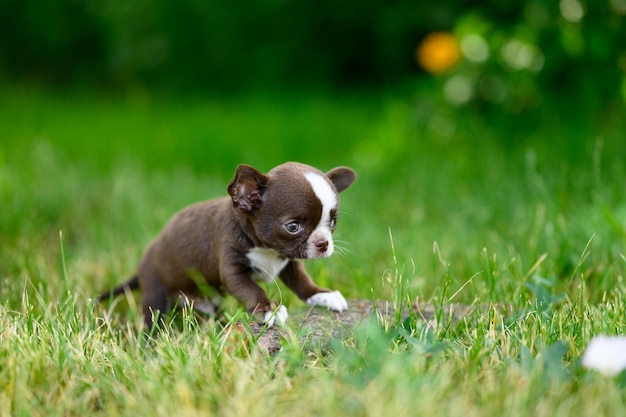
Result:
{"points": [[292, 227], [333, 223]]}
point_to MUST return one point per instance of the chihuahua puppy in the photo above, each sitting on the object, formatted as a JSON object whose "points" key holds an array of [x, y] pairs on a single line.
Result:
{"points": [[267, 225]]}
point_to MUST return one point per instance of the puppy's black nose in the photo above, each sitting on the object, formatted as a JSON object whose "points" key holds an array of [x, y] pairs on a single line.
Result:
{"points": [[321, 245]]}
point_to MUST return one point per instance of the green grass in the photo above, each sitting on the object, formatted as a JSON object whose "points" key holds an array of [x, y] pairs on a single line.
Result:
{"points": [[540, 225]]}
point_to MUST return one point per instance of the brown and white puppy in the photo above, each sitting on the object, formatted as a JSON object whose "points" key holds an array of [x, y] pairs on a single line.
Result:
{"points": [[264, 229]]}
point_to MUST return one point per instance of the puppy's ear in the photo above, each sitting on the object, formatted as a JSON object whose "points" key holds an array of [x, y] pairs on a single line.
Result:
{"points": [[246, 189], [341, 177]]}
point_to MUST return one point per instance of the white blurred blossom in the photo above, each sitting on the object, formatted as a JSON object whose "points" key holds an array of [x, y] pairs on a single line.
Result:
{"points": [[606, 354]]}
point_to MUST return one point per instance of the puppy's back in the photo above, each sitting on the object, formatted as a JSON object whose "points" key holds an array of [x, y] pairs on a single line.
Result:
{"points": [[188, 244]]}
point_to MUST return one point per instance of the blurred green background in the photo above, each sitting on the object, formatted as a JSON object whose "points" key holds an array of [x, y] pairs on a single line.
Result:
{"points": [[485, 133], [518, 66], [534, 49]]}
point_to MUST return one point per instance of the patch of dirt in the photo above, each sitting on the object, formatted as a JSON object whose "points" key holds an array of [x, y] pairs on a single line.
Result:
{"points": [[315, 327]]}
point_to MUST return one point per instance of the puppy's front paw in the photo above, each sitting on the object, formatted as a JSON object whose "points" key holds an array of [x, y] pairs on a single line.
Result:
{"points": [[333, 300], [280, 315]]}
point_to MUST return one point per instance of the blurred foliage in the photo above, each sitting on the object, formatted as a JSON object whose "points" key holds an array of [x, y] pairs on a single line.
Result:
{"points": [[199, 43], [204, 43], [514, 65], [567, 54]]}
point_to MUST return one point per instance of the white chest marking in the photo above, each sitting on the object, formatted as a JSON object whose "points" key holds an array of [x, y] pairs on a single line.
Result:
{"points": [[328, 198], [266, 263]]}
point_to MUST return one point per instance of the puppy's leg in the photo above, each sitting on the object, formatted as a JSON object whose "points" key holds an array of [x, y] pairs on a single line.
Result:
{"points": [[241, 286], [154, 306], [296, 278], [154, 302], [204, 305]]}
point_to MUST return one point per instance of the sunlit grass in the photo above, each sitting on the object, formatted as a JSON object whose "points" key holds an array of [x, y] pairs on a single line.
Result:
{"points": [[63, 358]]}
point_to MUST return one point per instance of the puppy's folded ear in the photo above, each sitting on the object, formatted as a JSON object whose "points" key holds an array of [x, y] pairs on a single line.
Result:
{"points": [[341, 177], [246, 188]]}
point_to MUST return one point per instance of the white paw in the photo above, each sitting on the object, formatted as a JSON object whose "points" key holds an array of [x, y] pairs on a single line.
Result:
{"points": [[332, 300], [280, 315]]}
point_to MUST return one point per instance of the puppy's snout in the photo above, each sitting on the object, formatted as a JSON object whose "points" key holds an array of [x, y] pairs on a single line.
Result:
{"points": [[321, 245]]}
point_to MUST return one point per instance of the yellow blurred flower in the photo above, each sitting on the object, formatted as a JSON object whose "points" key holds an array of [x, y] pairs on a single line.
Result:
{"points": [[438, 52]]}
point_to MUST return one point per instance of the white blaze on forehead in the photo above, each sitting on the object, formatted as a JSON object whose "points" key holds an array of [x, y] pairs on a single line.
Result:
{"points": [[323, 191], [328, 198]]}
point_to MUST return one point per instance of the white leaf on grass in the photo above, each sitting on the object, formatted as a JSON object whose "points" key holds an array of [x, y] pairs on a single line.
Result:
{"points": [[606, 354]]}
